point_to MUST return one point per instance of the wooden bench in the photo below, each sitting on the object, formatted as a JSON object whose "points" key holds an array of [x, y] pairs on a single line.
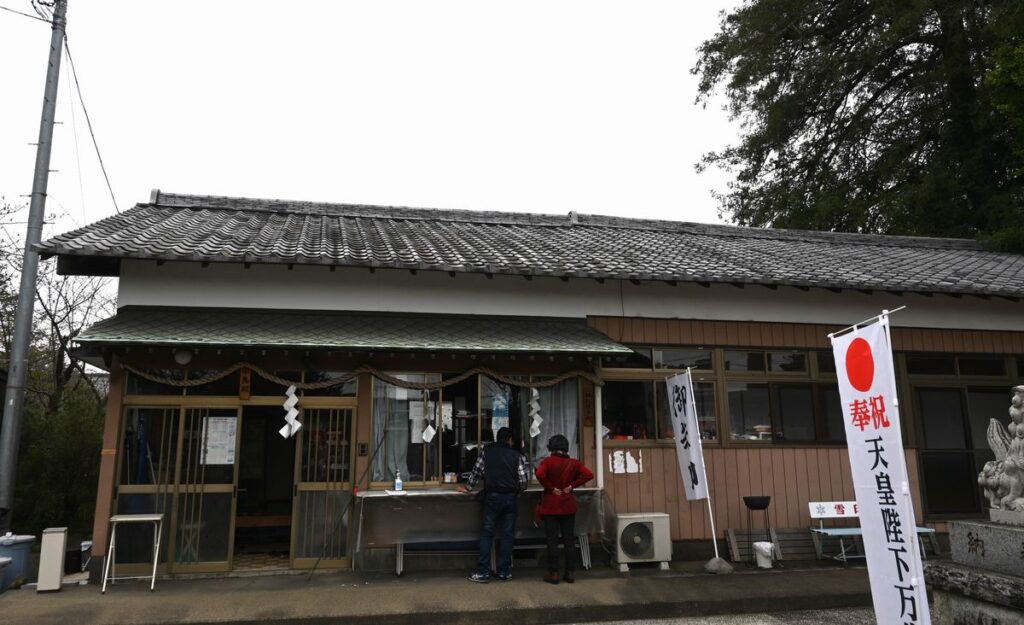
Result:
{"points": [[851, 544]]}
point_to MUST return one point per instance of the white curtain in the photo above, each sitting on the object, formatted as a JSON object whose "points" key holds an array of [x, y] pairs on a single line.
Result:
{"points": [[559, 409], [390, 416]]}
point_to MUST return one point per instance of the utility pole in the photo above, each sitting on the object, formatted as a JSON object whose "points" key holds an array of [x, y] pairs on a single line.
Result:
{"points": [[14, 400]]}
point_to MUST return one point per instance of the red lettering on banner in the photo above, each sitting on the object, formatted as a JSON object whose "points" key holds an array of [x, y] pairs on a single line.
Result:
{"points": [[840, 508], [860, 414], [878, 418]]}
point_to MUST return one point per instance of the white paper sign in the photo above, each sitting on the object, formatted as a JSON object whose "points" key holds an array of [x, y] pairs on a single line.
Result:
{"points": [[218, 441], [833, 509], [684, 424], [867, 389]]}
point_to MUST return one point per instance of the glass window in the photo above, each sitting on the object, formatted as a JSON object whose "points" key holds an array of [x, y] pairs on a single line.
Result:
{"points": [[942, 417], [628, 409], [559, 412], [466, 430], [346, 389], [787, 362], [704, 397], [228, 385], [138, 385], [150, 445], [683, 358], [744, 361], [921, 364], [749, 416], [835, 429], [983, 405], [950, 482], [794, 414], [639, 359], [401, 417], [826, 362], [979, 365], [1020, 366]]}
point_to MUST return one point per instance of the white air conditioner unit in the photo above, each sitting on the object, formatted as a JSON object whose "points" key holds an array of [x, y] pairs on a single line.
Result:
{"points": [[642, 537]]}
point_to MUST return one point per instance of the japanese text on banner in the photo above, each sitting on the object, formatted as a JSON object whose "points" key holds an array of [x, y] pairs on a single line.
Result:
{"points": [[687, 435], [867, 389]]}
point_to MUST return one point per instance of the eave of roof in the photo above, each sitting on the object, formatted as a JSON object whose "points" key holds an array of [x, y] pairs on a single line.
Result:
{"points": [[195, 327], [237, 230]]}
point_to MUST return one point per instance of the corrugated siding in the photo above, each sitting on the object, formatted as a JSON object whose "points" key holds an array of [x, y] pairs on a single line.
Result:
{"points": [[810, 336], [791, 476]]}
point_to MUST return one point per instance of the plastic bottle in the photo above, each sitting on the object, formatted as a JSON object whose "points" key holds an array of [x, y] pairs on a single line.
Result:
{"points": [[398, 480]]}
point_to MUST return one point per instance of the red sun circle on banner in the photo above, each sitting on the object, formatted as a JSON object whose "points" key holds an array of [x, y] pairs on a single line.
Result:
{"points": [[860, 365]]}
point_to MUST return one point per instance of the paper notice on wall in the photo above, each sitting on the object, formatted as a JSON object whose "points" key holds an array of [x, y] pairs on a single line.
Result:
{"points": [[446, 415], [218, 441]]}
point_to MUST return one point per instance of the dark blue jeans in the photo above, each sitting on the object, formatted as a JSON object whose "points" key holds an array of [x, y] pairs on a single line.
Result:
{"points": [[499, 514]]}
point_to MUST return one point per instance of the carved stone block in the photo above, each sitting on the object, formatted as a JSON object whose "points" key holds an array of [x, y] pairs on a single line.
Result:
{"points": [[986, 545], [1007, 517]]}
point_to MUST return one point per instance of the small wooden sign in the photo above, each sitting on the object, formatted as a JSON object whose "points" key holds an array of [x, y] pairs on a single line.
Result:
{"points": [[245, 383]]}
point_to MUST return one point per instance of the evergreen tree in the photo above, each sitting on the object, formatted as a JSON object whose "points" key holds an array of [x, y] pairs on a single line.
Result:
{"points": [[891, 116]]}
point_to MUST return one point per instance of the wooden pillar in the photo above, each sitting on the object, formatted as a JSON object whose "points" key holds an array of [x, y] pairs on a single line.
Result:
{"points": [[108, 468], [364, 430]]}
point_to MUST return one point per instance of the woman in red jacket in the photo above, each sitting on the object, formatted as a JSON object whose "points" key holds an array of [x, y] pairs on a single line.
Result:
{"points": [[559, 475]]}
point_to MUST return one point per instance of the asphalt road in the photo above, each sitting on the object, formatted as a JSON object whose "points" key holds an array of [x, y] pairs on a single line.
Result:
{"points": [[851, 616]]}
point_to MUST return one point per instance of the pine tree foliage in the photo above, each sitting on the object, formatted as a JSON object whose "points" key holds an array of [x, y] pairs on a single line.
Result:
{"points": [[891, 116]]}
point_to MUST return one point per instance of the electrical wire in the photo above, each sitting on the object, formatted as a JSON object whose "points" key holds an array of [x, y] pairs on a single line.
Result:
{"points": [[78, 157], [88, 122], [40, 19]]}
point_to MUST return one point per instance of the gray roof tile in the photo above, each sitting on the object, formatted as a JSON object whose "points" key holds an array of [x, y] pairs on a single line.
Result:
{"points": [[220, 229], [333, 330]]}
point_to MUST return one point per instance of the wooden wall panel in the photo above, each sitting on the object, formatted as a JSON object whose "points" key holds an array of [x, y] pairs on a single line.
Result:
{"points": [[711, 333], [791, 476]]}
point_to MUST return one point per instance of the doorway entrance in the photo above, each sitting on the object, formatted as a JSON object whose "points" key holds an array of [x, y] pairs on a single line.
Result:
{"points": [[263, 513]]}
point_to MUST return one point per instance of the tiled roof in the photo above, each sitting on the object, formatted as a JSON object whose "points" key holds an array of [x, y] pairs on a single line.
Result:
{"points": [[331, 330], [219, 229]]}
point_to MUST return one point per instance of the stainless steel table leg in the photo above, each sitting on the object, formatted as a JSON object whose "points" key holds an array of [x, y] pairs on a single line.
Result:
{"points": [[158, 529], [399, 558], [110, 557]]}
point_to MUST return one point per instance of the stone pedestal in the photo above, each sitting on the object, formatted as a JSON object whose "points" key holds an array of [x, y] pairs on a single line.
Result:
{"points": [[963, 595], [987, 545], [984, 583]]}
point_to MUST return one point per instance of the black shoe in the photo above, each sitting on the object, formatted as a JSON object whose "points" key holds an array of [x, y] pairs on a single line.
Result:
{"points": [[551, 578], [480, 578], [569, 577], [503, 577]]}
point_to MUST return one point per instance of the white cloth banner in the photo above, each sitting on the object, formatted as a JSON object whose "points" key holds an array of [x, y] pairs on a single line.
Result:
{"points": [[867, 390], [687, 435]]}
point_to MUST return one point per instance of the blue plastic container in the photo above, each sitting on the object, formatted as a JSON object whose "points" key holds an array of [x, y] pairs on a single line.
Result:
{"points": [[16, 548]]}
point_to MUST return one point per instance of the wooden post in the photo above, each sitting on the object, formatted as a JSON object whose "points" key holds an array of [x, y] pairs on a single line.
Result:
{"points": [[108, 469]]}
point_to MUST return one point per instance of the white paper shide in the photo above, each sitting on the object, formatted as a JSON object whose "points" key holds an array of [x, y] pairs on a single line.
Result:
{"points": [[867, 390]]}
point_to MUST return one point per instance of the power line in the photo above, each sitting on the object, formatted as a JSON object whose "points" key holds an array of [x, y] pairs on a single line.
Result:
{"points": [[78, 158], [35, 17], [16, 12], [88, 121]]}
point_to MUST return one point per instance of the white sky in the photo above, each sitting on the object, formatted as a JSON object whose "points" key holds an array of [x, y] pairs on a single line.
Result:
{"points": [[513, 106]]}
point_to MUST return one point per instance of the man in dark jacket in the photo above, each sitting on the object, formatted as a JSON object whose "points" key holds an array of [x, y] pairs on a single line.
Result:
{"points": [[505, 474]]}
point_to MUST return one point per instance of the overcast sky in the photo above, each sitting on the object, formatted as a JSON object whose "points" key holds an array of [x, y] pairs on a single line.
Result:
{"points": [[516, 106]]}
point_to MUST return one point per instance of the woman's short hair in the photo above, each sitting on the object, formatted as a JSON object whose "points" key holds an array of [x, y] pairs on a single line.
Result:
{"points": [[558, 443]]}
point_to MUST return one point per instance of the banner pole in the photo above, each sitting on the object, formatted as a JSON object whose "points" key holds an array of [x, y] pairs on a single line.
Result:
{"points": [[704, 465]]}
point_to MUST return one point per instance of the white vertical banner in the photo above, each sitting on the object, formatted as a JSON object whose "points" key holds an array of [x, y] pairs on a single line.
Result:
{"points": [[687, 434], [867, 390]]}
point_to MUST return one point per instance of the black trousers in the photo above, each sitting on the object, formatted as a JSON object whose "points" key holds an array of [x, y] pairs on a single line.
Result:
{"points": [[564, 523]]}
